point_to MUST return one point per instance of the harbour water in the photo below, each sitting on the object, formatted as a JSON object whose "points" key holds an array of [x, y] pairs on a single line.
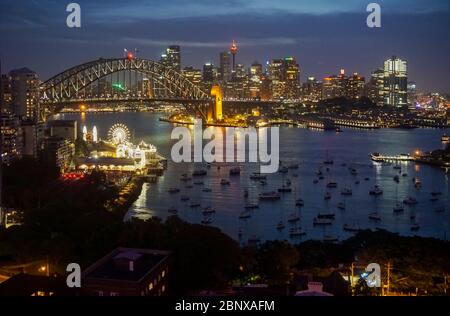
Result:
{"points": [[309, 148]]}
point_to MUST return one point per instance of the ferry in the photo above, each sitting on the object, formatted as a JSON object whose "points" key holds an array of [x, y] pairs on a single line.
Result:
{"points": [[245, 215], [224, 182], [206, 190], [173, 190], [280, 225], [346, 191], [351, 228], [269, 196], [296, 231], [257, 176], [341, 206], [184, 198], [327, 196], [398, 208], [322, 221], [285, 189], [410, 201], [377, 157], [332, 184], [375, 216], [235, 171], [445, 138], [250, 206], [299, 202], [200, 172], [293, 218]]}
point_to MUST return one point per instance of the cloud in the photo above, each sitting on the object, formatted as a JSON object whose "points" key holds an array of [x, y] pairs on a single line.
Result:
{"points": [[220, 44]]}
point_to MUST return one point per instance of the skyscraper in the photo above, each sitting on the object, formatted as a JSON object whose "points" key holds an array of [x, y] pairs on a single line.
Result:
{"points": [[276, 77], [292, 78], [255, 80], [172, 57], [395, 82], [354, 88], [193, 75], [209, 75], [233, 51], [375, 87], [225, 66], [25, 94]]}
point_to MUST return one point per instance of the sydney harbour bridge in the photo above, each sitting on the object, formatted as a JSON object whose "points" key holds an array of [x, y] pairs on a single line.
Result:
{"points": [[131, 80]]}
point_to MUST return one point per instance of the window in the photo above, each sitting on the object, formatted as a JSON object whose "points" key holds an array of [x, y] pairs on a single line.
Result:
{"points": [[163, 273], [163, 289], [150, 286]]}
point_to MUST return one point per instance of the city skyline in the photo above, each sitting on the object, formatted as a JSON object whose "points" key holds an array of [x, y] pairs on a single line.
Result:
{"points": [[323, 40]]}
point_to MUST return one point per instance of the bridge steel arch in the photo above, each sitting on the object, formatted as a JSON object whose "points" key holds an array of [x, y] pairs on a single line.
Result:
{"points": [[66, 85]]}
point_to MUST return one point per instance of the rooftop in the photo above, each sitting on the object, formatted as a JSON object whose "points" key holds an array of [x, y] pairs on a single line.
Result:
{"points": [[126, 264]]}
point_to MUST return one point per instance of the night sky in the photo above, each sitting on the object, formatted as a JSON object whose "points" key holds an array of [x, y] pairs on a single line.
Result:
{"points": [[324, 35]]}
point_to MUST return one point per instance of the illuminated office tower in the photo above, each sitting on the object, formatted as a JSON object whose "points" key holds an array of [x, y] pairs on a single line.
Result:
{"points": [[375, 87], [25, 94], [292, 78], [209, 75], [193, 75], [395, 82], [172, 57], [255, 80], [334, 86], [311, 90], [225, 66], [276, 77], [411, 94], [354, 88]]}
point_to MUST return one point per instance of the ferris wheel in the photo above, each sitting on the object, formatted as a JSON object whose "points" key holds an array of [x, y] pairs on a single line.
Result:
{"points": [[119, 134]]}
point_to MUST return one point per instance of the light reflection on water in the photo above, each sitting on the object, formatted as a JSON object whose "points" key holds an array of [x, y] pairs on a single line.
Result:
{"points": [[309, 148]]}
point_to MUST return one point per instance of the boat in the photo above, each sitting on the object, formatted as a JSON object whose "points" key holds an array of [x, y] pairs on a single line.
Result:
{"points": [[285, 189], [195, 204], [326, 215], [198, 183], [329, 238], [250, 206], [185, 177], [353, 171], [375, 216], [319, 172], [328, 161], [321, 177], [206, 190], [172, 210], [412, 216], [224, 182], [315, 181], [439, 209], [257, 176], [332, 184], [436, 193], [263, 182], [341, 206], [293, 166], [283, 170], [280, 225], [206, 221], [296, 231], [327, 196], [398, 208], [415, 227], [184, 198], [397, 167], [245, 215], [410, 201], [200, 172], [346, 191], [351, 228], [293, 218], [376, 191], [288, 182], [235, 171], [208, 210], [299, 202], [404, 174], [322, 221], [434, 199], [417, 183], [357, 182], [173, 190], [445, 138], [366, 179], [397, 178], [269, 196]]}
